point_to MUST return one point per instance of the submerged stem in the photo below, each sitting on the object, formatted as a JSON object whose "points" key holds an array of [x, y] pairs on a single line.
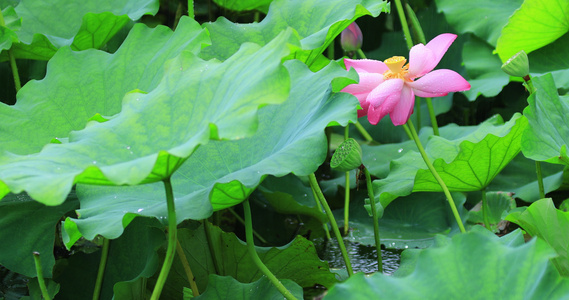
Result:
{"points": [[435, 174], [172, 238], [539, 180], [347, 191], [238, 217], [187, 269], [101, 272], [485, 210], [315, 187], [253, 253], [328, 237], [39, 272], [375, 220]]}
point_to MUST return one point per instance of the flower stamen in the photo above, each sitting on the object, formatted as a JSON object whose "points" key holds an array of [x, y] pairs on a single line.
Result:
{"points": [[397, 68]]}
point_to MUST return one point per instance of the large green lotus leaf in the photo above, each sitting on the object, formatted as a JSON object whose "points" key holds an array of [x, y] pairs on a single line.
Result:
{"points": [[546, 137], [132, 256], [536, 24], [290, 138], [244, 5], [378, 158], [466, 163], [483, 69], [410, 222], [296, 261], [28, 226], [484, 18], [79, 85], [409, 257], [495, 271], [226, 287], [156, 132], [476, 163], [317, 23], [543, 220], [48, 26]]}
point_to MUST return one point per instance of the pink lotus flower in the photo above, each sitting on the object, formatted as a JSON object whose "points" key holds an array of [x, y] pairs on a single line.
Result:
{"points": [[390, 87]]}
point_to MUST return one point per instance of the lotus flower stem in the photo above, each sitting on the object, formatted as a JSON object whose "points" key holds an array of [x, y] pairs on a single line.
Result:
{"points": [[434, 122], [39, 272], [253, 253], [12, 60], [172, 238], [191, 13], [315, 187], [347, 190], [363, 132], [435, 174], [187, 269], [101, 272], [404, 25], [375, 220], [485, 210], [361, 54], [328, 237]]}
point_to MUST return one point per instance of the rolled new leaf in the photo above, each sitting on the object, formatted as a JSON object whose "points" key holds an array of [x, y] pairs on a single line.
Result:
{"points": [[348, 156]]}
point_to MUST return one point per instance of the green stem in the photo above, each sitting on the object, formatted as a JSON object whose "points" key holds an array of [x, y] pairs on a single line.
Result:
{"points": [[539, 180], [347, 190], [331, 51], [101, 272], [418, 112], [363, 132], [485, 210], [39, 272], [361, 54], [408, 132], [328, 237], [238, 217], [375, 220], [187, 269], [416, 25], [434, 122], [172, 238], [404, 25], [253, 253], [12, 59], [315, 187], [436, 175], [191, 13], [211, 247]]}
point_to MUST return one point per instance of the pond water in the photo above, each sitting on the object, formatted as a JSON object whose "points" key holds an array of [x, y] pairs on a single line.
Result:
{"points": [[362, 257]]}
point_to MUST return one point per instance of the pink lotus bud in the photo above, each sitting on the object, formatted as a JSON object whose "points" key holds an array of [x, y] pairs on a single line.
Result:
{"points": [[351, 38]]}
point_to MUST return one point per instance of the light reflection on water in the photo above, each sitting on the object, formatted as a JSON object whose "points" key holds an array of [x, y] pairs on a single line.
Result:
{"points": [[362, 257]]}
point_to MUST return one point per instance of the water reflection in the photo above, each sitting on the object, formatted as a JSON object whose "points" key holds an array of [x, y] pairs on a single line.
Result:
{"points": [[362, 257]]}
